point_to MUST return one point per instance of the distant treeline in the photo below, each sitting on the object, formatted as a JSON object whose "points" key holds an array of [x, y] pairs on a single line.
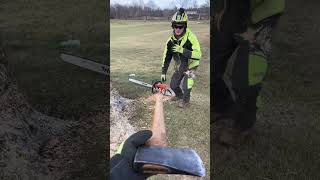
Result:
{"points": [[150, 10]]}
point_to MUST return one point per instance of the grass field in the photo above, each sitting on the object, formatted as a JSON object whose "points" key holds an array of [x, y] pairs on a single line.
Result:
{"points": [[286, 144], [137, 47]]}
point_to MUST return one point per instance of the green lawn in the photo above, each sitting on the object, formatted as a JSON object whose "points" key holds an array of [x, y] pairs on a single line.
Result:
{"points": [[137, 47]]}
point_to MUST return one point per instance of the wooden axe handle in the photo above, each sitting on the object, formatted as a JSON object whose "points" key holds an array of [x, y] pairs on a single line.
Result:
{"points": [[158, 135], [158, 128]]}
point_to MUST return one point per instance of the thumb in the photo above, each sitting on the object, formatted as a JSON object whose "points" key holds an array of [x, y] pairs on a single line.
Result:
{"points": [[131, 145], [139, 138]]}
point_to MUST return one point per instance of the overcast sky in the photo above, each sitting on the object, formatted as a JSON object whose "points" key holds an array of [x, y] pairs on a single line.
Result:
{"points": [[161, 3]]}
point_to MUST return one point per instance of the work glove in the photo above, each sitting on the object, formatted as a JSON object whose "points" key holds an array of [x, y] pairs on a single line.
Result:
{"points": [[163, 78], [129, 148], [122, 163], [177, 49]]}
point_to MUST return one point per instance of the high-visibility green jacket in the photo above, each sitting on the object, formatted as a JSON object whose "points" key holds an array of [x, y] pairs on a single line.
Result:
{"points": [[191, 54], [235, 15]]}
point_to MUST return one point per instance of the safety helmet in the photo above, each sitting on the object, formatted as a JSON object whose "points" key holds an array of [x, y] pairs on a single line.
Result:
{"points": [[179, 17]]}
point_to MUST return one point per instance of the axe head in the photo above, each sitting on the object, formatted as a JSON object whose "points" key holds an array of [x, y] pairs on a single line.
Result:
{"points": [[174, 160]]}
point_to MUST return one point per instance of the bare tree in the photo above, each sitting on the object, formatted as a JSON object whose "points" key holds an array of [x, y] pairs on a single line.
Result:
{"points": [[173, 4], [207, 3], [182, 3], [151, 4], [194, 4], [139, 10], [141, 4]]}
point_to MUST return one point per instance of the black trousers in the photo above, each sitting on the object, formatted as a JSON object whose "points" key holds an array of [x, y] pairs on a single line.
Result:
{"points": [[222, 48], [179, 78], [237, 74], [241, 107]]}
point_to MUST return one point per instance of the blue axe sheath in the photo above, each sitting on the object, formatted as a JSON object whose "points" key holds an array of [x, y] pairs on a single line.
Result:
{"points": [[156, 158]]}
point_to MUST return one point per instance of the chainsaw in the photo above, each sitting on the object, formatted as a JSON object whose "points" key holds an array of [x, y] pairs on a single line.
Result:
{"points": [[156, 87]]}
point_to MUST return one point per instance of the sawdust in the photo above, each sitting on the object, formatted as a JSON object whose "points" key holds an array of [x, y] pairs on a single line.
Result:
{"points": [[24, 133], [122, 109], [39, 147]]}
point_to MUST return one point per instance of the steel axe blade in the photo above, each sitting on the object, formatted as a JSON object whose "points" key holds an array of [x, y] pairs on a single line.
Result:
{"points": [[176, 160]]}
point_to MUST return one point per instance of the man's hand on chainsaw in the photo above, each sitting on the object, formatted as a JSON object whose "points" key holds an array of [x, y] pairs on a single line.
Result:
{"points": [[122, 163]]}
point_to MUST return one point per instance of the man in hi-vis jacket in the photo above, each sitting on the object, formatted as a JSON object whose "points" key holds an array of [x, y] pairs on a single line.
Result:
{"points": [[183, 46], [240, 49]]}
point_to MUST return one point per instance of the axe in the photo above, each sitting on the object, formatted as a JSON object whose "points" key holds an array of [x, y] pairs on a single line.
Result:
{"points": [[156, 158]]}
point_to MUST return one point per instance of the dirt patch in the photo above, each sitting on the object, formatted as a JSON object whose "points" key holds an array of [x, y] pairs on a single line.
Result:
{"points": [[36, 146], [24, 133]]}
